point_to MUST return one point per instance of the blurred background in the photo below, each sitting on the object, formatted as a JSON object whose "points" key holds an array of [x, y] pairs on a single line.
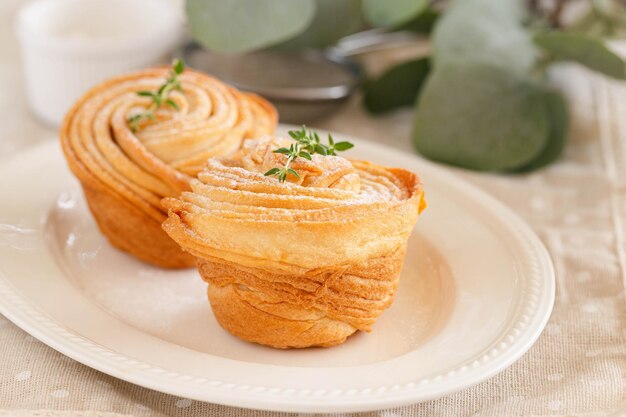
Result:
{"points": [[487, 65]]}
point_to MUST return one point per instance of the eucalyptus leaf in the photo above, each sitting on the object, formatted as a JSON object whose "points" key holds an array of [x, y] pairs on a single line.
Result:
{"points": [[484, 31], [423, 22], [397, 87], [556, 106], [333, 20], [481, 117], [584, 49], [594, 25], [389, 13], [609, 8], [611, 14], [236, 26]]}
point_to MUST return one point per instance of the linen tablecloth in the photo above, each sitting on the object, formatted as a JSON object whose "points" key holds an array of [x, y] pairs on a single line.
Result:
{"points": [[577, 207]]}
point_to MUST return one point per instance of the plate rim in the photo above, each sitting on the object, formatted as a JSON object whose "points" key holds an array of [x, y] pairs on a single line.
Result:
{"points": [[18, 309]]}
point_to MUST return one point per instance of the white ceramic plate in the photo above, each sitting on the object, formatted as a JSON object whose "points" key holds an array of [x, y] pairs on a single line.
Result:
{"points": [[476, 290]]}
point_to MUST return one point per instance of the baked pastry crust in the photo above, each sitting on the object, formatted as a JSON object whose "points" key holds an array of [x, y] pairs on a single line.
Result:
{"points": [[125, 175], [292, 265]]}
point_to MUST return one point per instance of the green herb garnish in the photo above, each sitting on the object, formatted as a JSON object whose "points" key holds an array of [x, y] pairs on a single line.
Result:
{"points": [[159, 97], [308, 143], [294, 151], [311, 142]]}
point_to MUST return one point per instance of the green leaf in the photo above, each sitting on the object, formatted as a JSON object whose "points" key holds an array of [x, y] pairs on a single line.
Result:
{"points": [[283, 151], [272, 171], [321, 149], [556, 106], [584, 49], [179, 66], [606, 19], [305, 155], [397, 87], [333, 20], [292, 172], [236, 26], [481, 117], [331, 141], [298, 134], [424, 22], [145, 94], [134, 121], [343, 146], [389, 13], [172, 104], [484, 31]]}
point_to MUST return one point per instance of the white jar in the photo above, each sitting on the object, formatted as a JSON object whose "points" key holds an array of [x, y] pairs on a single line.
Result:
{"points": [[70, 45]]}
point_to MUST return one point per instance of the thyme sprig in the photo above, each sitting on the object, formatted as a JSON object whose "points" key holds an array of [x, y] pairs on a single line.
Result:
{"points": [[310, 141], [307, 144], [294, 151], [159, 97]]}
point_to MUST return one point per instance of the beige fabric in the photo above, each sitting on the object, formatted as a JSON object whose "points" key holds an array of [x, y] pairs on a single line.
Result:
{"points": [[578, 208], [56, 413]]}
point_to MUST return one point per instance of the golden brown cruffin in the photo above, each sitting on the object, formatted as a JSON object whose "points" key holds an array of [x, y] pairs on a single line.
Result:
{"points": [[125, 174], [301, 263]]}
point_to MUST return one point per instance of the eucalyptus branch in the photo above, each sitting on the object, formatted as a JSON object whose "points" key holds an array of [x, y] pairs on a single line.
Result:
{"points": [[557, 11]]}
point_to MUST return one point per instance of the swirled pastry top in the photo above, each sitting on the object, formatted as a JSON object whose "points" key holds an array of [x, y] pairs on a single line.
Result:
{"points": [[321, 171], [160, 159], [339, 212]]}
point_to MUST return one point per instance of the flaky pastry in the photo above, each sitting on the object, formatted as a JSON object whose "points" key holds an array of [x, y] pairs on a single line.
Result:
{"points": [[306, 262], [125, 174]]}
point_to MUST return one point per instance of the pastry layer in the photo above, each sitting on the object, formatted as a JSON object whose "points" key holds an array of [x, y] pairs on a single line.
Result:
{"points": [[301, 263], [246, 218], [321, 307], [162, 157]]}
